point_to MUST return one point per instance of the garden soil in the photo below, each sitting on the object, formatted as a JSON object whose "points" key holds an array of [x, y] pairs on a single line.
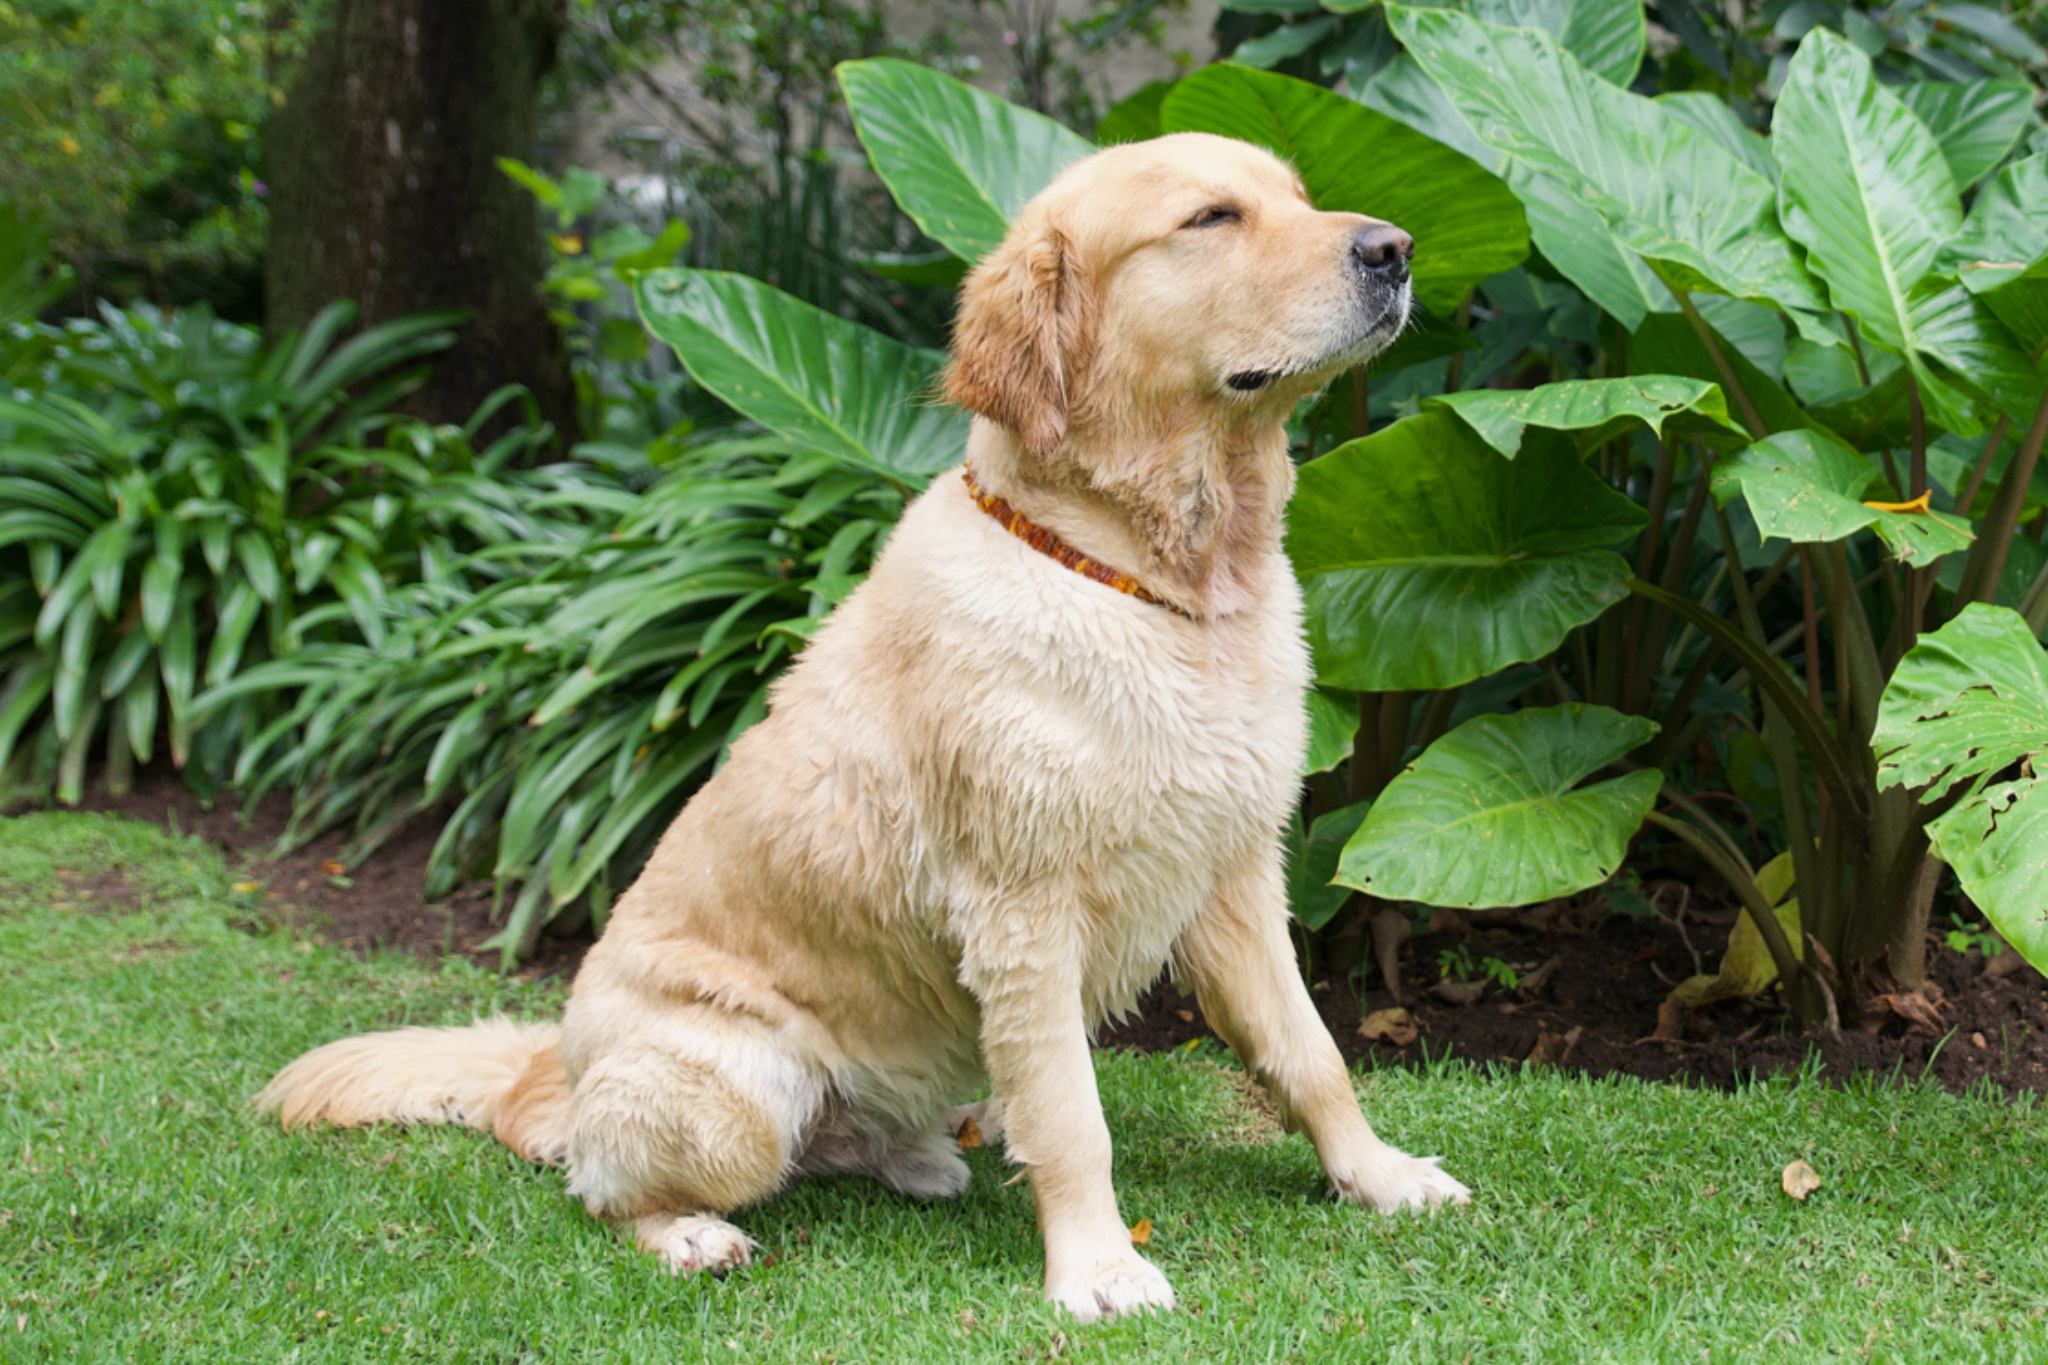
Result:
{"points": [[1590, 989]]}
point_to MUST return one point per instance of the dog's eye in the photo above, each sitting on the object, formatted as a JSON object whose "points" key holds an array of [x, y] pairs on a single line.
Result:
{"points": [[1214, 216]]}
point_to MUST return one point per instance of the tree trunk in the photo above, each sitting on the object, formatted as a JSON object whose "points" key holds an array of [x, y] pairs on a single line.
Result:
{"points": [[383, 187]]}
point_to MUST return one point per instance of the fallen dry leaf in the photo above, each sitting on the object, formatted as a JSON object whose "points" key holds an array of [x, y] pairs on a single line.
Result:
{"points": [[1395, 1026], [1141, 1232], [1552, 1048], [1800, 1180], [1670, 1021], [1921, 1008], [1533, 982], [969, 1136], [1459, 992]]}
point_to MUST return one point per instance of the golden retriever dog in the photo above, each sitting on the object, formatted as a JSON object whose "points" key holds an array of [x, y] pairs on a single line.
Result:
{"points": [[1049, 746]]}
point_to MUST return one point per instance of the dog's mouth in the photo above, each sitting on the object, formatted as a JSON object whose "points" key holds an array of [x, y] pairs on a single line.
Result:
{"points": [[1360, 346]]}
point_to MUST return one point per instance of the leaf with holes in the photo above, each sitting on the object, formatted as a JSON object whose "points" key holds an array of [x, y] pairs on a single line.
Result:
{"points": [[1966, 715], [1808, 487], [1492, 813], [1594, 410]]}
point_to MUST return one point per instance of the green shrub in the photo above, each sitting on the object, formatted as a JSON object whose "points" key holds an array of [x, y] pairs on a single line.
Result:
{"points": [[565, 706], [178, 501]]}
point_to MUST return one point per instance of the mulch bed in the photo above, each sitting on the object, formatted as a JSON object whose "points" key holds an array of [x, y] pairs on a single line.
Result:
{"points": [[1594, 1009]]}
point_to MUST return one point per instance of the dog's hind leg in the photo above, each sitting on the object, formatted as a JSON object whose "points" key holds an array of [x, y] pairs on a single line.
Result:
{"points": [[670, 1140], [924, 1164]]}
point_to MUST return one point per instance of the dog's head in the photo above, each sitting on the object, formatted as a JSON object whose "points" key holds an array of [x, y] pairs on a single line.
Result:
{"points": [[1185, 277]]}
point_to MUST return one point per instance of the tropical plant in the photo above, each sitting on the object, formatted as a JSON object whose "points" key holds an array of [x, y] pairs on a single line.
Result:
{"points": [[1786, 339], [177, 501], [565, 695]]}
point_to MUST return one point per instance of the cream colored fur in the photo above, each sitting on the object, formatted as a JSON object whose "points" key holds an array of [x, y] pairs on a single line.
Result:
{"points": [[993, 796]]}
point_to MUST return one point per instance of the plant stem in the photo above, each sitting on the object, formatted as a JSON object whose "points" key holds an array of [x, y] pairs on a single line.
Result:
{"points": [[1454, 373], [1745, 407], [1977, 475], [1791, 969], [1987, 556]]}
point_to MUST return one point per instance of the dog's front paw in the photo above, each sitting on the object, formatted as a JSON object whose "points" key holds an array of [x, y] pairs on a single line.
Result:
{"points": [[688, 1243], [1394, 1182], [1125, 1284]]}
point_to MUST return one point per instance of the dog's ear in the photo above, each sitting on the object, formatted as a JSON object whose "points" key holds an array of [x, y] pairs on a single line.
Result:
{"points": [[1022, 341]]}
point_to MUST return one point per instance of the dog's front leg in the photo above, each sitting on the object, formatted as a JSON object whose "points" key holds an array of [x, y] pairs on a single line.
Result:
{"points": [[1035, 1043], [1241, 962]]}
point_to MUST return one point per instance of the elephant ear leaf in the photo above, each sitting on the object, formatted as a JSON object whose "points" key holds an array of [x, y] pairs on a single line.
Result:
{"points": [[1493, 814], [1965, 718], [1868, 193], [823, 382], [1466, 223], [961, 162], [1427, 560]]}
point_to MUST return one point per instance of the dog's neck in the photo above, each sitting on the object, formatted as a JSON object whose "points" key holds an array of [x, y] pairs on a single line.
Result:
{"points": [[1194, 511]]}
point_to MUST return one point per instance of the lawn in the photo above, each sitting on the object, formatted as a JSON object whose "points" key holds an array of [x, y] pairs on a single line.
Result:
{"points": [[146, 1215]]}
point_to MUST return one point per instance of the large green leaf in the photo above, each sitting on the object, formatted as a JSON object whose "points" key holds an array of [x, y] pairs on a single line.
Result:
{"points": [[1665, 190], [1427, 560], [1967, 704], [1594, 410], [1576, 242], [1606, 36], [1466, 223], [1976, 122], [961, 162], [2002, 252], [831, 384], [1807, 486], [1311, 896], [1867, 192], [1492, 813]]}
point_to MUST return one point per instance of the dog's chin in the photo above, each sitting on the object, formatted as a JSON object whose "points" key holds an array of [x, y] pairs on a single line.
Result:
{"points": [[1366, 340]]}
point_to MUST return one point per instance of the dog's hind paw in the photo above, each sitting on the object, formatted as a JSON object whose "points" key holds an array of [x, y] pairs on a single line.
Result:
{"points": [[1128, 1284], [931, 1169], [688, 1243], [1394, 1182]]}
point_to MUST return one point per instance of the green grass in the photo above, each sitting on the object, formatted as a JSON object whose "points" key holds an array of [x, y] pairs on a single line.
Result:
{"points": [[146, 1215]]}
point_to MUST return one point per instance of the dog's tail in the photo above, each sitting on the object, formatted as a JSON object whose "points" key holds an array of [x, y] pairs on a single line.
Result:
{"points": [[497, 1075]]}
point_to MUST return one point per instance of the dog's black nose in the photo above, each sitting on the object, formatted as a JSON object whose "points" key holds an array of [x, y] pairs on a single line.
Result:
{"points": [[1382, 251]]}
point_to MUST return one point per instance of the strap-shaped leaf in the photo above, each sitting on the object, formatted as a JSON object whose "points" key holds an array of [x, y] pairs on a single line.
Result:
{"points": [[1427, 560], [1976, 122], [1492, 813], [1808, 486], [1867, 192], [1967, 703], [1593, 410], [961, 162], [831, 384], [1466, 222], [1665, 190]]}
